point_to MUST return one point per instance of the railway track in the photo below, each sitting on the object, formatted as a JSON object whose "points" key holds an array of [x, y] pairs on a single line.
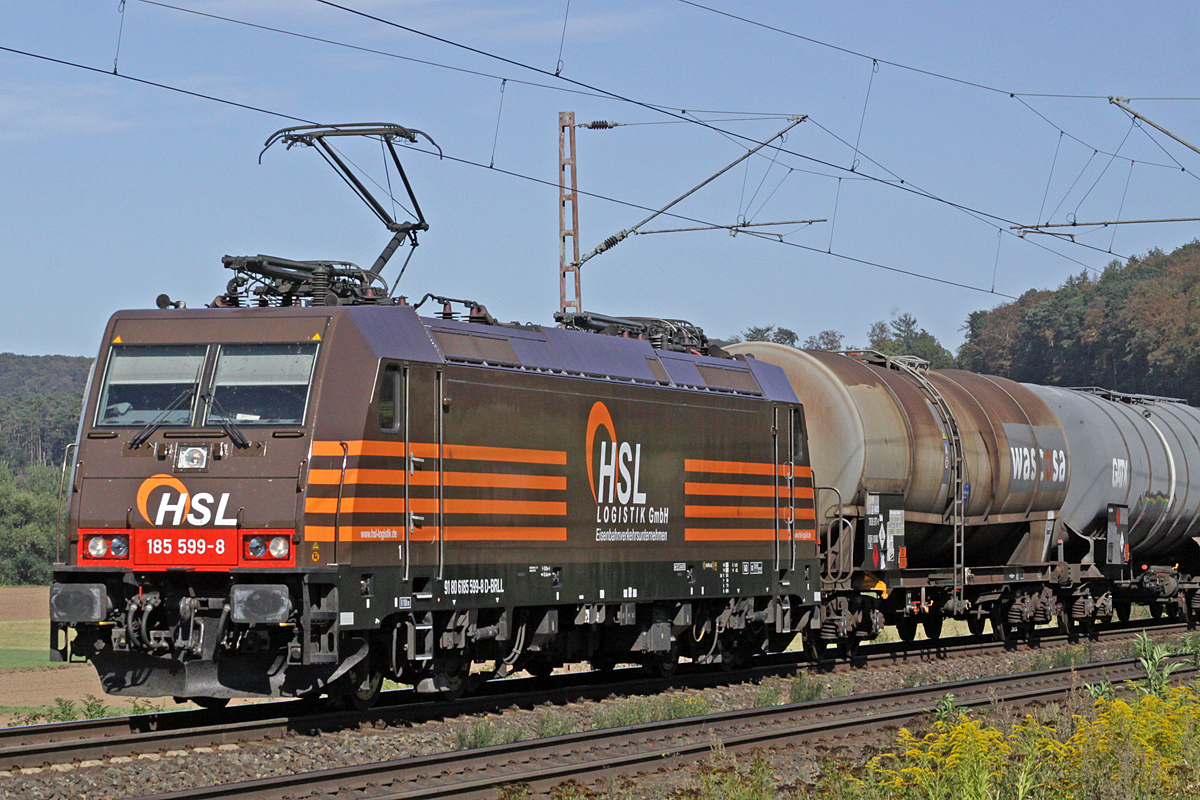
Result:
{"points": [[542, 764], [72, 742]]}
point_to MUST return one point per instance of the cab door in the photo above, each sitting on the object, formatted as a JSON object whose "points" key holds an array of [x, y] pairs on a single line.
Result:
{"points": [[786, 429], [423, 434]]}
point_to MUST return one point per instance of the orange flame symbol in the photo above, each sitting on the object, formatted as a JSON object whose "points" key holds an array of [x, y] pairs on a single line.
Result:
{"points": [[598, 418], [156, 482]]}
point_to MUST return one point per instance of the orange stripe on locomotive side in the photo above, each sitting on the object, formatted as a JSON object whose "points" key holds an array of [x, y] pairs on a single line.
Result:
{"points": [[395, 477], [470, 533], [743, 490], [731, 534], [466, 452], [533, 507], [504, 534], [728, 467], [743, 468], [729, 512], [429, 505], [511, 454], [745, 512]]}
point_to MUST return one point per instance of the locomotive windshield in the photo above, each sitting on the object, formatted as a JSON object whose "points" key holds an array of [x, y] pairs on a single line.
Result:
{"points": [[261, 384], [144, 382]]}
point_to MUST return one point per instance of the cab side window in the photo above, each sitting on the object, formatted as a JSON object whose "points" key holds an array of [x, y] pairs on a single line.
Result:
{"points": [[388, 392]]}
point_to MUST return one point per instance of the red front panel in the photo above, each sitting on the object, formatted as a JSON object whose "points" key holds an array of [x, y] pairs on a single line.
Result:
{"points": [[196, 548]]}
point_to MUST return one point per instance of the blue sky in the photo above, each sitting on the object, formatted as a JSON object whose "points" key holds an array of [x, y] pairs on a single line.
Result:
{"points": [[115, 191]]}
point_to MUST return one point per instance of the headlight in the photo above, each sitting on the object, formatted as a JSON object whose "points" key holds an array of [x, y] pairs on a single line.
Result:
{"points": [[97, 547], [192, 456], [119, 548], [256, 547], [279, 547]]}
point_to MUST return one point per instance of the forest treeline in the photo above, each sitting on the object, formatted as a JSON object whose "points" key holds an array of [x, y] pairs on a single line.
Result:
{"points": [[1134, 327], [40, 398]]}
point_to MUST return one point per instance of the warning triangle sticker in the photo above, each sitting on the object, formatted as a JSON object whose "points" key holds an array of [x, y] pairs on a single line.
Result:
{"points": [[117, 340], [316, 337]]}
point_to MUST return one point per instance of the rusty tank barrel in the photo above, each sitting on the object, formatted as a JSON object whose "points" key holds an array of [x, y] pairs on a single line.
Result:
{"points": [[877, 426]]}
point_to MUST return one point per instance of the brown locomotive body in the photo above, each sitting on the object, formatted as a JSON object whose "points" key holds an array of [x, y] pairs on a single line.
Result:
{"points": [[303, 500]]}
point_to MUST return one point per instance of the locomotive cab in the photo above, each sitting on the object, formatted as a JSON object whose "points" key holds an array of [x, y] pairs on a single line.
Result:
{"points": [[186, 506]]}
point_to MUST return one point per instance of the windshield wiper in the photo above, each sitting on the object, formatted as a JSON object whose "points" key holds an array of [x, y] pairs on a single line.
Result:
{"points": [[236, 436], [140, 438]]}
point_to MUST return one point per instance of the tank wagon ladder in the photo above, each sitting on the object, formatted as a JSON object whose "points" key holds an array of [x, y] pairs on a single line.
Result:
{"points": [[918, 368]]}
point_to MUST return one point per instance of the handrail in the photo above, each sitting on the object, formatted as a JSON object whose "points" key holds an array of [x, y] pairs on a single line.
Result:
{"points": [[841, 560], [60, 528], [337, 514]]}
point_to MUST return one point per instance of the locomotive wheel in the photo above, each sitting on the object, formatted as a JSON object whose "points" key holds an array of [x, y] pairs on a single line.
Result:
{"points": [[1124, 609], [456, 681], [933, 626], [540, 667], [907, 628], [212, 703], [975, 625]]}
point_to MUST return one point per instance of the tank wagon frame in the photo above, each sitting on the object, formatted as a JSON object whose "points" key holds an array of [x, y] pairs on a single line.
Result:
{"points": [[956, 495]]}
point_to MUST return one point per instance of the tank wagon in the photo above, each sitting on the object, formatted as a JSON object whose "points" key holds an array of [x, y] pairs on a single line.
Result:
{"points": [[960, 495], [301, 500]]}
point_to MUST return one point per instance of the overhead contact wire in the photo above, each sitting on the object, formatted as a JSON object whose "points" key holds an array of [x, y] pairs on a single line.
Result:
{"points": [[304, 120]]}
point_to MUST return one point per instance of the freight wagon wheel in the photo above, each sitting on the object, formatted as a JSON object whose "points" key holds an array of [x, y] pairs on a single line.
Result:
{"points": [[933, 625], [1001, 631], [848, 648], [814, 648], [1124, 609], [366, 692], [907, 628], [663, 665], [731, 655], [602, 663], [975, 625], [1156, 610]]}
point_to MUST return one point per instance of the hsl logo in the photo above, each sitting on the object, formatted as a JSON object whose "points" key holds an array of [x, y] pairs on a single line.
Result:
{"points": [[617, 474], [176, 503]]}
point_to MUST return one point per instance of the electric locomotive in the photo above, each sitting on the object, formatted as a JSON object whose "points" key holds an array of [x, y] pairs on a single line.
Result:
{"points": [[287, 501]]}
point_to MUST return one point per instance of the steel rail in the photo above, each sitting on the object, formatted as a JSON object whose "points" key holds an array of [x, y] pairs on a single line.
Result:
{"points": [[623, 751], [41, 745]]}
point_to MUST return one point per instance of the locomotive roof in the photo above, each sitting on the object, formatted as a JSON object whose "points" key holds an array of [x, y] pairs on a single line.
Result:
{"points": [[397, 332]]}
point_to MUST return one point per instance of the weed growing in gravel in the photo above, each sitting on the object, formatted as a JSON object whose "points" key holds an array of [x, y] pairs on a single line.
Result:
{"points": [[1141, 750], [804, 688], [91, 708], [840, 686], [1063, 657], [484, 733], [515, 791], [723, 778], [552, 723], [636, 711], [767, 694]]}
